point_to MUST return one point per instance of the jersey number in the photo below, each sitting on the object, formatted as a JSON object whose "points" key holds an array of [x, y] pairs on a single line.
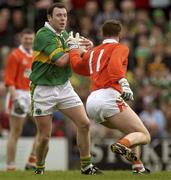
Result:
{"points": [[98, 61]]}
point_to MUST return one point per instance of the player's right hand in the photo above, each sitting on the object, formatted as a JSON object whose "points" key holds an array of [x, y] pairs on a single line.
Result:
{"points": [[73, 42], [127, 93], [18, 108]]}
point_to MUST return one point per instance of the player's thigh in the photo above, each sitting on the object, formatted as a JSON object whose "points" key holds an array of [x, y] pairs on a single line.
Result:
{"points": [[78, 115], [68, 98], [44, 99], [127, 122]]}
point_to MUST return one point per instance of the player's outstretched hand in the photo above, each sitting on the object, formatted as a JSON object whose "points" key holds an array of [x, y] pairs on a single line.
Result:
{"points": [[85, 43]]}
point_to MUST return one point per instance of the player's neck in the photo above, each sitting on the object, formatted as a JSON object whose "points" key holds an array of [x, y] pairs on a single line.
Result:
{"points": [[58, 31], [112, 37]]}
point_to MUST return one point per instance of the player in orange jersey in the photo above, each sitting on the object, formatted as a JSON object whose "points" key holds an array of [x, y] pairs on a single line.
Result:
{"points": [[18, 98], [106, 65]]}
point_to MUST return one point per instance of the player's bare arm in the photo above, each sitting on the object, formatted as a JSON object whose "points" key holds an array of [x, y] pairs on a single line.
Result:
{"points": [[63, 60]]}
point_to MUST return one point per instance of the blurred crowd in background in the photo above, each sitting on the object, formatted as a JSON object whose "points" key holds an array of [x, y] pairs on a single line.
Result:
{"points": [[146, 31]]}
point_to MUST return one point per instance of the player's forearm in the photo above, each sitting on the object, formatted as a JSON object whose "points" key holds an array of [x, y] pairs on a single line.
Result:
{"points": [[78, 64], [12, 91], [75, 58], [63, 60]]}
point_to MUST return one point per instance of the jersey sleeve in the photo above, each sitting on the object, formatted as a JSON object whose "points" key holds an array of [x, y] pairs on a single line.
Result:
{"points": [[11, 69], [50, 45], [79, 64], [118, 62]]}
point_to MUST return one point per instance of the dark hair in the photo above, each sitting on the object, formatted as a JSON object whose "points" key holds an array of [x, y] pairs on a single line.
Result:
{"points": [[27, 31], [51, 8], [111, 28]]}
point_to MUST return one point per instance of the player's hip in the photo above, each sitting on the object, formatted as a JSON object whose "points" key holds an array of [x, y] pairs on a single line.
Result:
{"points": [[104, 103], [47, 99]]}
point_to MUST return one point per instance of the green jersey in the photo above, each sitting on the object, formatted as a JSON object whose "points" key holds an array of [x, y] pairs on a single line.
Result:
{"points": [[47, 48]]}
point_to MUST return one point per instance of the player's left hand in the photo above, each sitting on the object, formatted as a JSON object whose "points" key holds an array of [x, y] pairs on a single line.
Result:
{"points": [[85, 43], [127, 93]]}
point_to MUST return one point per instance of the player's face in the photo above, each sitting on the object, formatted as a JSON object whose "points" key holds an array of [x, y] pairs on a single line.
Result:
{"points": [[58, 20], [27, 41]]}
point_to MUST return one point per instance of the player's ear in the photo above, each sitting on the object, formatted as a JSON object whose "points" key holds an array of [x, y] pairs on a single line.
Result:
{"points": [[120, 36], [48, 17]]}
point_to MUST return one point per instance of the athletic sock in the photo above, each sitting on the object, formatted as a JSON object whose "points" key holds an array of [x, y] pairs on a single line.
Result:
{"points": [[125, 142], [11, 166], [85, 161], [32, 160], [40, 165], [138, 165]]}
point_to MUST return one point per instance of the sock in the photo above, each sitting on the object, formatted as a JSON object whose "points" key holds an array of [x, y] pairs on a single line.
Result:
{"points": [[40, 165], [32, 160], [125, 142], [138, 165], [11, 166], [85, 161]]}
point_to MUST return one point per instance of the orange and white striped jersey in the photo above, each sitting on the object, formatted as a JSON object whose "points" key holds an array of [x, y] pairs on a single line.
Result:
{"points": [[18, 68], [105, 64]]}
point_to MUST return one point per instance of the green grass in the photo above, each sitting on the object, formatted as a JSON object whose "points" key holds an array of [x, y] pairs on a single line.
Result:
{"points": [[75, 175]]}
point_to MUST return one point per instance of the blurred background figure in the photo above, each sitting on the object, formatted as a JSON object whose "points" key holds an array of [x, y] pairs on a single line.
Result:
{"points": [[109, 12], [154, 120], [18, 98]]}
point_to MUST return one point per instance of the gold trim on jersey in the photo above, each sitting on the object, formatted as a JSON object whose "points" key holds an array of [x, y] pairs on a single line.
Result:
{"points": [[40, 56], [56, 51]]}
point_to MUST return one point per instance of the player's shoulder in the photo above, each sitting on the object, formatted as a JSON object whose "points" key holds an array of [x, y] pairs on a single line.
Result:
{"points": [[44, 33], [99, 47], [14, 54], [123, 46], [14, 51]]}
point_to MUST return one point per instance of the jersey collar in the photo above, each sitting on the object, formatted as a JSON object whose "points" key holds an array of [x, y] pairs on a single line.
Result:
{"points": [[109, 41], [22, 49], [47, 25]]}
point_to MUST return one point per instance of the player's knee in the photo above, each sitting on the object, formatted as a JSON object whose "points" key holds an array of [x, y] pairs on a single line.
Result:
{"points": [[84, 126], [148, 138], [16, 133], [14, 137], [44, 139]]}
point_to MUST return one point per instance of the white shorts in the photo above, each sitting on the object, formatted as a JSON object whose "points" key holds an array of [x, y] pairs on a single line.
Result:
{"points": [[104, 103], [23, 97], [48, 99]]}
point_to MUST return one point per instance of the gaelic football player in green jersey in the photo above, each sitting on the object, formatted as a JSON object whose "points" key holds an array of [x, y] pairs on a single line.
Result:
{"points": [[51, 89]]}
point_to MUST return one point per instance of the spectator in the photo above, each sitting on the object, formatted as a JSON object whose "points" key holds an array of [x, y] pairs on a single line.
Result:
{"points": [[154, 120], [109, 12]]}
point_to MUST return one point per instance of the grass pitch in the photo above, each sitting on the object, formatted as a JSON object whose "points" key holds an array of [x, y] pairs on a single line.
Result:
{"points": [[75, 175]]}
